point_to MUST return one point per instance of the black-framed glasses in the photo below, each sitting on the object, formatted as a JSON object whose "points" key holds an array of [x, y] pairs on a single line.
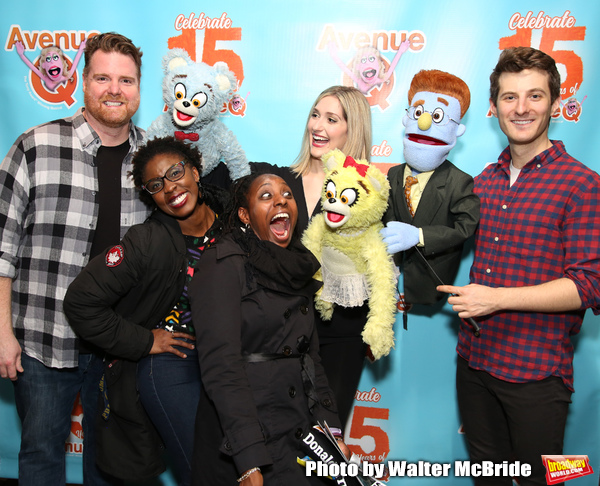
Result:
{"points": [[173, 174], [437, 116]]}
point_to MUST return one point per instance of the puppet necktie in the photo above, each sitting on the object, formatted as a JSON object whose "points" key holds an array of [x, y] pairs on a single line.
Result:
{"points": [[410, 181]]}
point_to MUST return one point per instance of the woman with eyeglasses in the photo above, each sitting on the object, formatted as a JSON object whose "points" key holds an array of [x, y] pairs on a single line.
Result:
{"points": [[132, 301]]}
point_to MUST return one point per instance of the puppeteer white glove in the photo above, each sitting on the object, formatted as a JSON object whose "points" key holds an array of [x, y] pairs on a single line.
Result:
{"points": [[399, 236]]}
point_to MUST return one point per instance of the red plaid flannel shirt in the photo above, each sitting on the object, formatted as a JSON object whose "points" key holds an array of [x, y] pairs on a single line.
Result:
{"points": [[546, 226]]}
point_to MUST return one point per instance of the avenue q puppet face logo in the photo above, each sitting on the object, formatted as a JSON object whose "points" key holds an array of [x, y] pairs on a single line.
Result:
{"points": [[49, 72], [362, 56]]}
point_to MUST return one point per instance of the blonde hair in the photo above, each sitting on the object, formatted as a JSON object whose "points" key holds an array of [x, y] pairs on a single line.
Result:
{"points": [[58, 50], [365, 52], [357, 114]]}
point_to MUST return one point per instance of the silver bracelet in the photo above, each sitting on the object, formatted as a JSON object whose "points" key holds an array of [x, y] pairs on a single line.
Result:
{"points": [[247, 474]]}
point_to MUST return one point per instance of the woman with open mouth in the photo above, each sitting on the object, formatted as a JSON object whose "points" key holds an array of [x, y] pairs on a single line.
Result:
{"points": [[339, 118], [263, 383]]}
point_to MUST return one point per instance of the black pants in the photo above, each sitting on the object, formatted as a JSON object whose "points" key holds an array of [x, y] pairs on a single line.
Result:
{"points": [[506, 421], [343, 354]]}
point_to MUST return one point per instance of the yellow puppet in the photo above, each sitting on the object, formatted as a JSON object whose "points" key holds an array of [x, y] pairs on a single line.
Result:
{"points": [[355, 264]]}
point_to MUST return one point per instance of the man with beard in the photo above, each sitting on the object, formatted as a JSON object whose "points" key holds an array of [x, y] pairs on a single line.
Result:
{"points": [[65, 195]]}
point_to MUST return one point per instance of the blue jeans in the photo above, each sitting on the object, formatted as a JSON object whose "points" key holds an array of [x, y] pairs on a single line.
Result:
{"points": [[44, 398], [169, 388]]}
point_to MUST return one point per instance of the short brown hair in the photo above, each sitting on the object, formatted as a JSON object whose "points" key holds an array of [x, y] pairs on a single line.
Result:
{"points": [[112, 42], [517, 59], [436, 81]]}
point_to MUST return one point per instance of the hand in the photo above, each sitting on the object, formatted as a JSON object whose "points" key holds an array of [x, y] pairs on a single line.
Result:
{"points": [[344, 448], [404, 46], [165, 340], [20, 48], [399, 236], [10, 357], [472, 300]]}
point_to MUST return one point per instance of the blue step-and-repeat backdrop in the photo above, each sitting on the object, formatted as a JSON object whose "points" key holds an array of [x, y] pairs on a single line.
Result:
{"points": [[281, 54]]}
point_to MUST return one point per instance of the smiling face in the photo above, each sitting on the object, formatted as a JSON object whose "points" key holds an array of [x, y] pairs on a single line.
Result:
{"points": [[111, 89], [327, 127], [432, 128], [272, 212], [187, 106], [178, 199], [524, 109]]}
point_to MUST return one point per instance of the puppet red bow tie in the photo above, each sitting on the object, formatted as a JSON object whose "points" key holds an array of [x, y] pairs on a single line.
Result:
{"points": [[193, 137]]}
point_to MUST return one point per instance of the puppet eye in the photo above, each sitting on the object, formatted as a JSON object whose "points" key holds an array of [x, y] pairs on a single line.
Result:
{"points": [[199, 99], [330, 190], [418, 111], [371, 58], [55, 57], [48, 59], [438, 115], [348, 196], [363, 60], [179, 91]]}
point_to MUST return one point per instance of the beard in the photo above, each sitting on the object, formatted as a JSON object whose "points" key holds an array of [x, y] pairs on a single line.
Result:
{"points": [[111, 117]]}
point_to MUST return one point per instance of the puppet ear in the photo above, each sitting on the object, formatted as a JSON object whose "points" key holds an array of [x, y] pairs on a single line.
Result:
{"points": [[329, 162], [405, 120], [175, 58], [375, 182], [176, 62], [223, 82], [460, 130], [224, 77]]}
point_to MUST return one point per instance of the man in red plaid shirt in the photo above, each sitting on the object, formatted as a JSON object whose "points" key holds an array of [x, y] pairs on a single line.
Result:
{"points": [[536, 269]]}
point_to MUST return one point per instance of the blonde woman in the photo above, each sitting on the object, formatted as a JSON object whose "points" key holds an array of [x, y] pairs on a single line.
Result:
{"points": [[339, 118]]}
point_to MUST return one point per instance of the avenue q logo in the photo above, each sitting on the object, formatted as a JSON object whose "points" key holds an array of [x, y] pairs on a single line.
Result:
{"points": [[54, 79], [563, 468]]}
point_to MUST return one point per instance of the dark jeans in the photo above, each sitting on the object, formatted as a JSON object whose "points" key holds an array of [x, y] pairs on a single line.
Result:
{"points": [[169, 388], [506, 421], [44, 398]]}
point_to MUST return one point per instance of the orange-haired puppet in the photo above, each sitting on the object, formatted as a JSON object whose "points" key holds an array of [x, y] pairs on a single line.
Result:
{"points": [[53, 70], [443, 210]]}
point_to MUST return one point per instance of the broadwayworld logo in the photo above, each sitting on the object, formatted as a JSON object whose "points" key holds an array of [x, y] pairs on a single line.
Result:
{"points": [[564, 468]]}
